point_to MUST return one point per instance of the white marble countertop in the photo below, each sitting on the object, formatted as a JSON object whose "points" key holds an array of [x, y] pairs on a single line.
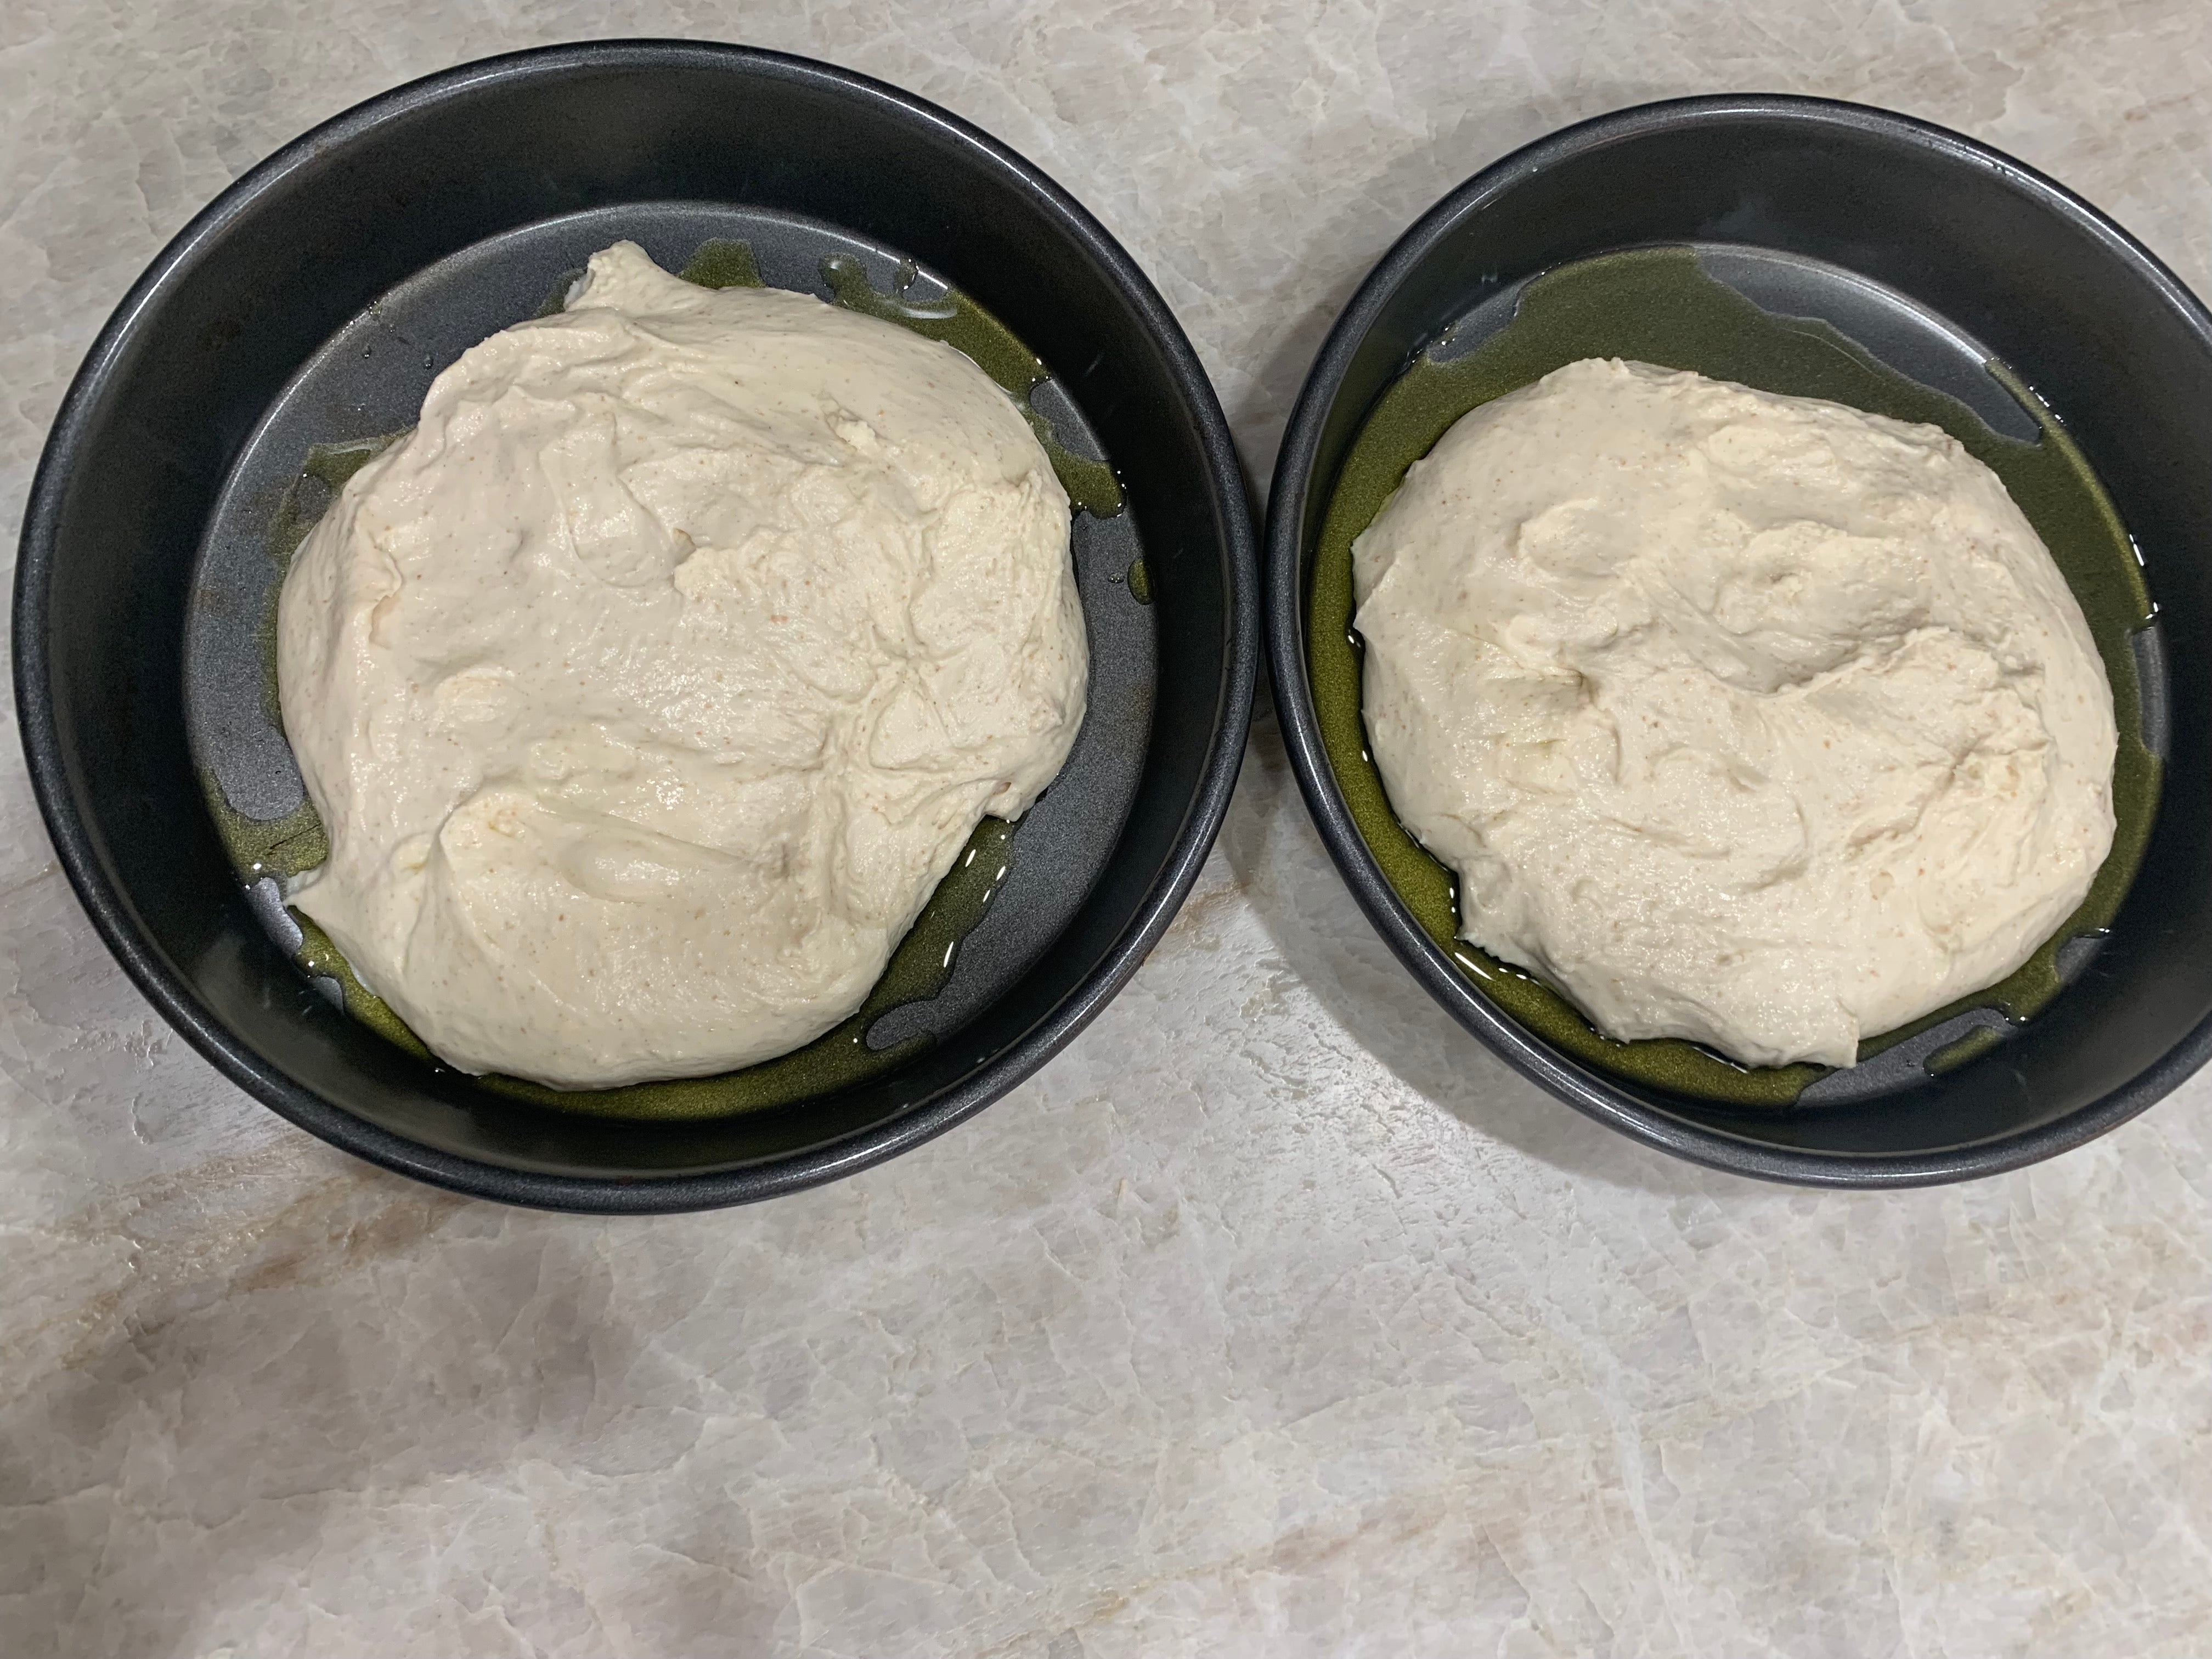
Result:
{"points": [[1272, 1318]]}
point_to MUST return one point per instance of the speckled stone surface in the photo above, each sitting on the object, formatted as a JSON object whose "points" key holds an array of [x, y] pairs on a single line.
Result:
{"points": [[1271, 1319]]}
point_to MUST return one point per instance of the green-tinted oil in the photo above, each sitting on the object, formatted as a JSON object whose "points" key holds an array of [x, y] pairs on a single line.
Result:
{"points": [[322, 959], [723, 263], [1972, 1046], [1141, 582], [969, 329], [922, 963], [1657, 306], [282, 847]]}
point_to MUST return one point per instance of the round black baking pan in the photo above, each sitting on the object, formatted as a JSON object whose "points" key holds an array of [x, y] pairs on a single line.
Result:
{"points": [[1936, 255], [313, 301]]}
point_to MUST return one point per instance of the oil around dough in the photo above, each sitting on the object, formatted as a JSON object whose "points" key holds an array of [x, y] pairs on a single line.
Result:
{"points": [[1657, 306], [918, 968]]}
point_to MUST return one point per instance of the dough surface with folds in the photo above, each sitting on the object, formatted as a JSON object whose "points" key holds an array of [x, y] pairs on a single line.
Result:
{"points": [[649, 687], [1756, 721]]}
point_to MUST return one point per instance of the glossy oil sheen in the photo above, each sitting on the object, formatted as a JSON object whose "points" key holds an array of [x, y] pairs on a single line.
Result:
{"points": [[1657, 306], [966, 326], [290, 846]]}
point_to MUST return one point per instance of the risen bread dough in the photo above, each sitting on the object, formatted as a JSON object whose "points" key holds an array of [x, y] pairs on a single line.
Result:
{"points": [[1752, 720], [650, 687]]}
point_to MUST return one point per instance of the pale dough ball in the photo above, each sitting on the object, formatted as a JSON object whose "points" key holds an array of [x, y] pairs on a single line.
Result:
{"points": [[1756, 721], [648, 688]]}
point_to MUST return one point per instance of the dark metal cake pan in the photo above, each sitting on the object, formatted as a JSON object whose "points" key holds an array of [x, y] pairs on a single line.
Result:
{"points": [[411, 226], [1936, 253]]}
